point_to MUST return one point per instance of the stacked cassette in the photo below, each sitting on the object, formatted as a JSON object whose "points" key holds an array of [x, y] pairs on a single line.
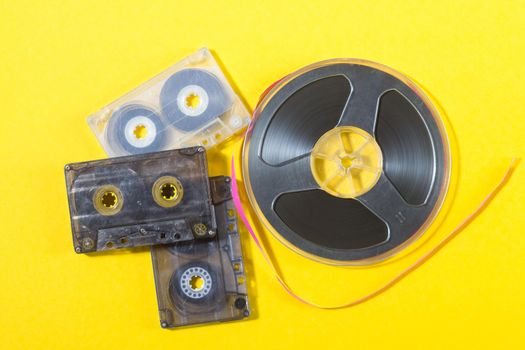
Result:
{"points": [[189, 104], [203, 281], [167, 201]]}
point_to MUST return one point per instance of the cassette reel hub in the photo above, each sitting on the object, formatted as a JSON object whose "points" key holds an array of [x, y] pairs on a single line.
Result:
{"points": [[199, 96], [140, 132], [108, 200], [167, 191], [193, 100], [196, 282], [135, 129]]}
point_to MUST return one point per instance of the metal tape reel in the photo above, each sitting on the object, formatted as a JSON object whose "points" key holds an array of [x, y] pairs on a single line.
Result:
{"points": [[346, 161]]}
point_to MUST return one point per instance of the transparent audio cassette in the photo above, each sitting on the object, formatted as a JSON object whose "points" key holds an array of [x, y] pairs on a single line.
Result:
{"points": [[203, 281], [140, 200], [189, 104]]}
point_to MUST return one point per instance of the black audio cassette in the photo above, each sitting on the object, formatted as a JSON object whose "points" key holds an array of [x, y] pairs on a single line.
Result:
{"points": [[203, 281], [155, 198]]}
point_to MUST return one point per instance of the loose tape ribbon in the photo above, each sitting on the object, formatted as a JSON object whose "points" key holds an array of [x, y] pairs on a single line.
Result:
{"points": [[464, 223]]}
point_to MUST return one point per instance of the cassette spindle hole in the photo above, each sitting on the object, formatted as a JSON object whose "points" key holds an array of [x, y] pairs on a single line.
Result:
{"points": [[193, 100], [196, 282], [346, 162], [140, 131], [167, 191], [108, 200]]}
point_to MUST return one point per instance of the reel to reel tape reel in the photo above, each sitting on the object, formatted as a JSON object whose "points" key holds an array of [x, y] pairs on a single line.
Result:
{"points": [[346, 161]]}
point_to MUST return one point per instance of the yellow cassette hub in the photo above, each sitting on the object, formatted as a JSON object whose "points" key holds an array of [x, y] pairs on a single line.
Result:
{"points": [[167, 191], [140, 132], [108, 200], [346, 162]]}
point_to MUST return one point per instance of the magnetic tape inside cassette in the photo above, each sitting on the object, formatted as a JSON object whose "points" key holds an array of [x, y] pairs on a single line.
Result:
{"points": [[140, 200]]}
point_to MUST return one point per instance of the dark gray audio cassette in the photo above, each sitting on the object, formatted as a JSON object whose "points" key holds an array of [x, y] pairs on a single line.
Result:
{"points": [[203, 281], [155, 198]]}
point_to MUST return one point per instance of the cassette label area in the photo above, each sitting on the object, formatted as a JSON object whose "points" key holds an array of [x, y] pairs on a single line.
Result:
{"points": [[140, 200], [203, 281]]}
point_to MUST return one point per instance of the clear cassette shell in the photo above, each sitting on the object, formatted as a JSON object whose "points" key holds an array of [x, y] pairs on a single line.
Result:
{"points": [[188, 104]]}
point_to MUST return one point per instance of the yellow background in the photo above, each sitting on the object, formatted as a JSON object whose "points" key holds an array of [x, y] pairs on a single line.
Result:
{"points": [[60, 61]]}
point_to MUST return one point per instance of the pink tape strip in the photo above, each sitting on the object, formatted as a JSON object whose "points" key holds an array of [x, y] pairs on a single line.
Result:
{"points": [[464, 223]]}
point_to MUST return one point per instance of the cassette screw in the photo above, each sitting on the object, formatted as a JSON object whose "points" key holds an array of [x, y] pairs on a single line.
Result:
{"points": [[164, 324], [200, 149], [240, 303], [142, 231], [67, 167], [200, 229], [88, 243], [78, 249]]}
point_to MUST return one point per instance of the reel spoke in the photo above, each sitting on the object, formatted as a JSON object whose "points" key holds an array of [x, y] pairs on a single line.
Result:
{"points": [[326, 157], [360, 149], [366, 168], [361, 109], [385, 201], [292, 176]]}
